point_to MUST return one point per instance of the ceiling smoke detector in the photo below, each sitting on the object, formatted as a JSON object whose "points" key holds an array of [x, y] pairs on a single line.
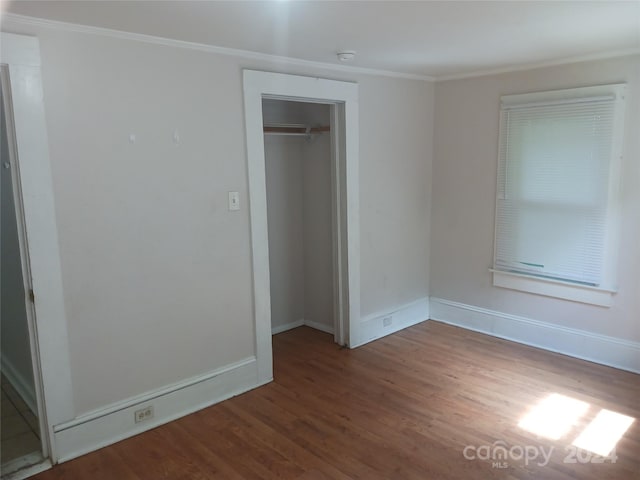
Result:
{"points": [[346, 55]]}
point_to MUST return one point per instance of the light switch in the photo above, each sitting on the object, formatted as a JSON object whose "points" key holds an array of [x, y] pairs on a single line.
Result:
{"points": [[234, 201]]}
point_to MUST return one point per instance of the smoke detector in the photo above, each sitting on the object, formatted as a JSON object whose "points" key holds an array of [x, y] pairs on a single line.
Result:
{"points": [[346, 55]]}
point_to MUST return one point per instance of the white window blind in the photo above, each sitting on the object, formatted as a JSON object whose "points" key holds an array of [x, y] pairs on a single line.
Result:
{"points": [[554, 177]]}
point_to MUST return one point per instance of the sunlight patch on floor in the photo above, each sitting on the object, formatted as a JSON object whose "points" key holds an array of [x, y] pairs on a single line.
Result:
{"points": [[603, 433], [554, 416]]}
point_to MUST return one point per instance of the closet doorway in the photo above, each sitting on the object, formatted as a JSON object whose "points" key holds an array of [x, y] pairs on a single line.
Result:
{"points": [[22, 440], [321, 238], [298, 159], [32, 183]]}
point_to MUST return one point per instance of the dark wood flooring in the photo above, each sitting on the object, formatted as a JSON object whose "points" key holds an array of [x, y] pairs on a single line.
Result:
{"points": [[403, 407]]}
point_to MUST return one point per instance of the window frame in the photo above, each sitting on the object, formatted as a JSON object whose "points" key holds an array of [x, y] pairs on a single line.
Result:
{"points": [[601, 295]]}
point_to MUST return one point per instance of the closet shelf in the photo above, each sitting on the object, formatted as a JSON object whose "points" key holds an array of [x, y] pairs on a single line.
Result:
{"points": [[294, 129]]}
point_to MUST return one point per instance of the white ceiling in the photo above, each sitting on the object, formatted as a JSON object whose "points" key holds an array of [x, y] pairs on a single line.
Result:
{"points": [[438, 39]]}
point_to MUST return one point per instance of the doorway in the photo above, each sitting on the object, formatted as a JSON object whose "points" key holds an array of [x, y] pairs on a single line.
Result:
{"points": [[32, 181], [298, 159], [342, 98], [22, 444]]}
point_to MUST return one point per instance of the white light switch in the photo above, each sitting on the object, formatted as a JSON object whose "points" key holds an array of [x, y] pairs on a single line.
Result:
{"points": [[234, 201]]}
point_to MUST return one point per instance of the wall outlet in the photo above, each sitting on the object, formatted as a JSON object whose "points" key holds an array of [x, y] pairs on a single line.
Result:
{"points": [[386, 321], [143, 414]]}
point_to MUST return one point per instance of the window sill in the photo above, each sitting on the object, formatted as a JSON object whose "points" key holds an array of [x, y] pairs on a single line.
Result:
{"points": [[553, 288]]}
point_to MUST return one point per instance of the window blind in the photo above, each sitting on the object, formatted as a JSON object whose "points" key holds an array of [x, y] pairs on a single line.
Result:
{"points": [[553, 179]]}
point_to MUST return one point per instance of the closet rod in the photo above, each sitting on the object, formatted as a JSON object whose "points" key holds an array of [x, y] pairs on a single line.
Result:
{"points": [[295, 129]]}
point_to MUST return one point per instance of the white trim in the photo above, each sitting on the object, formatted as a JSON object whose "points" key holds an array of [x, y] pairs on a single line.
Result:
{"points": [[299, 323], [116, 422], [21, 50], [594, 93], [373, 326], [350, 219], [513, 277], [20, 384], [509, 104], [275, 85], [287, 326], [338, 247], [323, 327], [21, 54], [533, 66], [149, 396], [614, 352], [234, 52], [31, 390], [553, 288]]}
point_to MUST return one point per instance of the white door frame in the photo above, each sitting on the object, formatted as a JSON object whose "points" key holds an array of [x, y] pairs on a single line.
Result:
{"points": [[33, 190], [344, 95]]}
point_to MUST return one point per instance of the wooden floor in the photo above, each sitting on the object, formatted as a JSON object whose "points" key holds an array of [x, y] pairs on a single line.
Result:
{"points": [[405, 406], [18, 426]]}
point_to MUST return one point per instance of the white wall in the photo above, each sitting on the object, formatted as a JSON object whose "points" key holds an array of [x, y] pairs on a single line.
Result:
{"points": [[396, 140], [464, 189], [156, 270], [283, 174], [16, 348], [318, 235]]}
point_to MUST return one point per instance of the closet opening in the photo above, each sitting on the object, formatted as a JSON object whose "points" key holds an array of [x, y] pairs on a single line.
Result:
{"points": [[23, 427], [300, 186], [32, 183], [297, 108]]}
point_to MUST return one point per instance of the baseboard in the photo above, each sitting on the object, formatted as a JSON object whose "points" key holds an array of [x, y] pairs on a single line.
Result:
{"points": [[110, 425], [610, 351], [299, 323], [319, 326], [287, 326], [373, 326], [20, 384]]}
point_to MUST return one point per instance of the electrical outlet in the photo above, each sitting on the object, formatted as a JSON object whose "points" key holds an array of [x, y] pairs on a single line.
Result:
{"points": [[386, 321], [143, 414]]}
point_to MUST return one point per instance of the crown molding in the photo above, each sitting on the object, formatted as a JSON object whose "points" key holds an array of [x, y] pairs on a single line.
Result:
{"points": [[532, 66], [234, 52], [282, 60]]}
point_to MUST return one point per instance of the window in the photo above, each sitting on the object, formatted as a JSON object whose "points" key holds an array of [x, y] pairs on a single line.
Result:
{"points": [[558, 175]]}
